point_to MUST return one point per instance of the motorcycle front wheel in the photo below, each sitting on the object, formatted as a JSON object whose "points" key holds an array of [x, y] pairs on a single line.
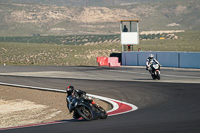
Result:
{"points": [[103, 114], [158, 75], [153, 76], [85, 113]]}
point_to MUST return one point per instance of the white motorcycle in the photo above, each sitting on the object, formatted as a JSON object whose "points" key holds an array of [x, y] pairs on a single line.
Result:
{"points": [[154, 69]]}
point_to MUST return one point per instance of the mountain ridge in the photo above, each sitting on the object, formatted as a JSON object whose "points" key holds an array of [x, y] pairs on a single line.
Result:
{"points": [[21, 19]]}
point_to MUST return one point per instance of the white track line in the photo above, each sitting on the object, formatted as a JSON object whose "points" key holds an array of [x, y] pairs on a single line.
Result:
{"points": [[115, 105]]}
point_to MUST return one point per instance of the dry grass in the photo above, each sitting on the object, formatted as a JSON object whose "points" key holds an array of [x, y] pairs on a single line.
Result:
{"points": [[47, 54], [186, 42]]}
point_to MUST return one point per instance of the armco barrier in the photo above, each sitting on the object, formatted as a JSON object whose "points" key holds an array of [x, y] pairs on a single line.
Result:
{"points": [[190, 60], [166, 59], [123, 58], [129, 59]]}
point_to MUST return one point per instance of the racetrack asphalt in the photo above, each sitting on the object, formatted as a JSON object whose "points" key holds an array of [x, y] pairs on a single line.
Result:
{"points": [[167, 106]]}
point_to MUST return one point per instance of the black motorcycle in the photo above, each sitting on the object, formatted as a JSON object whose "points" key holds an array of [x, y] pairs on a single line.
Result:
{"points": [[155, 71], [88, 110]]}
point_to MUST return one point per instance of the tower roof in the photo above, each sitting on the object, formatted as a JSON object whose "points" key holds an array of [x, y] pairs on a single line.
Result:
{"points": [[129, 20]]}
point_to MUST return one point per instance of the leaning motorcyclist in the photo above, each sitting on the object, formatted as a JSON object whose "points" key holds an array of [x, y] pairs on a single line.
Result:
{"points": [[151, 60], [72, 96]]}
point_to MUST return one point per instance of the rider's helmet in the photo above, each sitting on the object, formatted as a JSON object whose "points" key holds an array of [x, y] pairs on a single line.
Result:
{"points": [[151, 56], [70, 90]]}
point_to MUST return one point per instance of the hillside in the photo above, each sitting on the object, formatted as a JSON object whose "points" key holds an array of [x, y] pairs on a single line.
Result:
{"points": [[44, 17]]}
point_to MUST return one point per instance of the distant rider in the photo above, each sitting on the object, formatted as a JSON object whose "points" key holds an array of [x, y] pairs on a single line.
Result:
{"points": [[151, 60], [72, 95]]}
